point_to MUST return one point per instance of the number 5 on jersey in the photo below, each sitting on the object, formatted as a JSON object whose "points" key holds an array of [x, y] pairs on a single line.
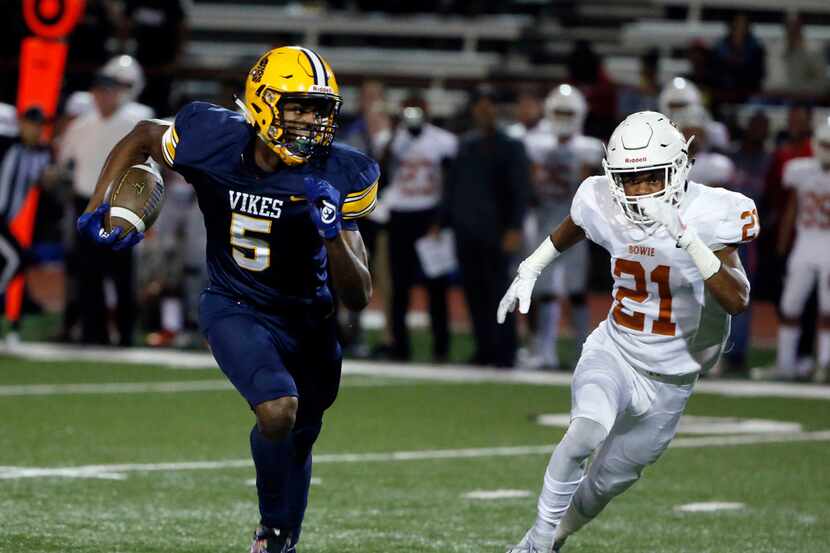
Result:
{"points": [[250, 252]]}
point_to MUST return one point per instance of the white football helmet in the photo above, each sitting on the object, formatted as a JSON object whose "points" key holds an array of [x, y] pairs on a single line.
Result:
{"points": [[646, 141], [821, 143], [566, 108], [677, 95], [127, 71]]}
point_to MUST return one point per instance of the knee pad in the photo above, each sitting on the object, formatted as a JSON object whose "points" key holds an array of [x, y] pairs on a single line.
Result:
{"points": [[583, 437]]}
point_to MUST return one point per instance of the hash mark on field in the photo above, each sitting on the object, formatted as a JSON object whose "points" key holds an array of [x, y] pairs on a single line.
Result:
{"points": [[116, 472], [496, 494], [709, 507]]}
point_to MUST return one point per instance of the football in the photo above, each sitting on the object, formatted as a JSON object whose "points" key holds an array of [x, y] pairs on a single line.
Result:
{"points": [[135, 199]]}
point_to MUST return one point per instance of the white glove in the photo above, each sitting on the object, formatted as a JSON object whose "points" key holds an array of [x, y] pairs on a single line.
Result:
{"points": [[668, 216], [522, 286], [686, 237]]}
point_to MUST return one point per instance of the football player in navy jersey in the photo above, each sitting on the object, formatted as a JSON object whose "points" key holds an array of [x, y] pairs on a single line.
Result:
{"points": [[280, 203]]}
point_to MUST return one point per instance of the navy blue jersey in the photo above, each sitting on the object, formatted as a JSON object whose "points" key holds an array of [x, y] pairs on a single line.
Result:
{"points": [[262, 245]]}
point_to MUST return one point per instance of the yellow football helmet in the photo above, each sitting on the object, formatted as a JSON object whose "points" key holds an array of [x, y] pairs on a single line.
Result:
{"points": [[292, 74]]}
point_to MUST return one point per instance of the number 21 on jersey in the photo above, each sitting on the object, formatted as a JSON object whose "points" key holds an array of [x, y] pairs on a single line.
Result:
{"points": [[663, 325]]}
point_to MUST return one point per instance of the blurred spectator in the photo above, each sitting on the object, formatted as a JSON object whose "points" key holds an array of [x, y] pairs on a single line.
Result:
{"points": [[751, 160], [171, 270], [801, 71], [586, 72], [158, 29], [701, 71], [371, 129], [370, 132], [485, 198], [679, 94], [8, 120], [126, 71], [23, 161], [561, 160], [709, 167], [11, 257], [418, 152], [740, 62], [808, 265], [529, 115], [797, 144], [643, 97], [84, 148]]}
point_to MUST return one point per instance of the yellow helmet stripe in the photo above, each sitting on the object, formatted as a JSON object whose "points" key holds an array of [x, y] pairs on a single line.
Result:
{"points": [[320, 77]]}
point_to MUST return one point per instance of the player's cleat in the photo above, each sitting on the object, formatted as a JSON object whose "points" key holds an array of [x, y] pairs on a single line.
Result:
{"points": [[272, 540], [528, 545]]}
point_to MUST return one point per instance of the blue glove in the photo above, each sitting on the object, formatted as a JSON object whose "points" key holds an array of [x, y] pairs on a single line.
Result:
{"points": [[91, 227], [324, 203]]}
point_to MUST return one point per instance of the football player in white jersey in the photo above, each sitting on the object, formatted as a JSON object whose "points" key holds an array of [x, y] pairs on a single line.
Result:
{"points": [[561, 159], [679, 94], [710, 168], [677, 280], [809, 263]]}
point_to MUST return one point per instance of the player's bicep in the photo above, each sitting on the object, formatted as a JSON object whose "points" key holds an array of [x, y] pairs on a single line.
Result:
{"points": [[150, 132], [567, 234]]}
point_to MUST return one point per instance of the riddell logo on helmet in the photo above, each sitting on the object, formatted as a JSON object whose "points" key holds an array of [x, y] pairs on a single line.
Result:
{"points": [[635, 159]]}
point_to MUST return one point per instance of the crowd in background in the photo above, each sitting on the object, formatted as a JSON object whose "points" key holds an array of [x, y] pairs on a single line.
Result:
{"points": [[491, 174]]}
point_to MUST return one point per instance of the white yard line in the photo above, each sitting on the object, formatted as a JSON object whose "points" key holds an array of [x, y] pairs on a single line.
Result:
{"points": [[119, 471], [412, 371]]}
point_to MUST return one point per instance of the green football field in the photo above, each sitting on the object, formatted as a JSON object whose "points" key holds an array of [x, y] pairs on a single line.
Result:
{"points": [[108, 457]]}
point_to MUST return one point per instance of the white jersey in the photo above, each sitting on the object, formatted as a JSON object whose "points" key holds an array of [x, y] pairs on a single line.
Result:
{"points": [[712, 169], [557, 170], [811, 183], [416, 181], [718, 135], [662, 319], [88, 140]]}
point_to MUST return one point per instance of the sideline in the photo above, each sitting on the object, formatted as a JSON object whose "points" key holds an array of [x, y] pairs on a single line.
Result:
{"points": [[444, 373]]}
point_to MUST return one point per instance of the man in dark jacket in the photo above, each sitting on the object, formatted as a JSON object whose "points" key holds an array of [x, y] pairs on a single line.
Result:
{"points": [[485, 197]]}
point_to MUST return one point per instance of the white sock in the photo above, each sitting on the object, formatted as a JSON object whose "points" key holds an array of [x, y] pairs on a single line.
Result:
{"points": [[547, 333], [823, 349], [563, 475], [553, 503], [787, 347], [570, 523]]}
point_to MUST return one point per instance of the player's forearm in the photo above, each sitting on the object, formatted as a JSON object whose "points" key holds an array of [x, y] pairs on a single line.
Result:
{"points": [[134, 148], [730, 289], [350, 273], [729, 285]]}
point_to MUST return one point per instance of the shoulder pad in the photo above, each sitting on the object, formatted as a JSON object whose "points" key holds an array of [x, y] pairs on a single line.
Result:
{"points": [[205, 136]]}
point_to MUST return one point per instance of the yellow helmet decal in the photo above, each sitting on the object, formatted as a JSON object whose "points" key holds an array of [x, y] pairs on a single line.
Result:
{"points": [[300, 75]]}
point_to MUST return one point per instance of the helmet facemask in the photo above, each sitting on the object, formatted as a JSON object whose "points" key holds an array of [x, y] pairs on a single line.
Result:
{"points": [[673, 175], [291, 135], [565, 122]]}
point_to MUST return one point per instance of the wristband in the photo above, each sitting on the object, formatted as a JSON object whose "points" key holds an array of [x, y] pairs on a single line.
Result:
{"points": [[535, 263], [707, 262]]}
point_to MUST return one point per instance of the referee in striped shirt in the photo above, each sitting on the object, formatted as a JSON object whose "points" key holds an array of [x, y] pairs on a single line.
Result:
{"points": [[23, 159]]}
